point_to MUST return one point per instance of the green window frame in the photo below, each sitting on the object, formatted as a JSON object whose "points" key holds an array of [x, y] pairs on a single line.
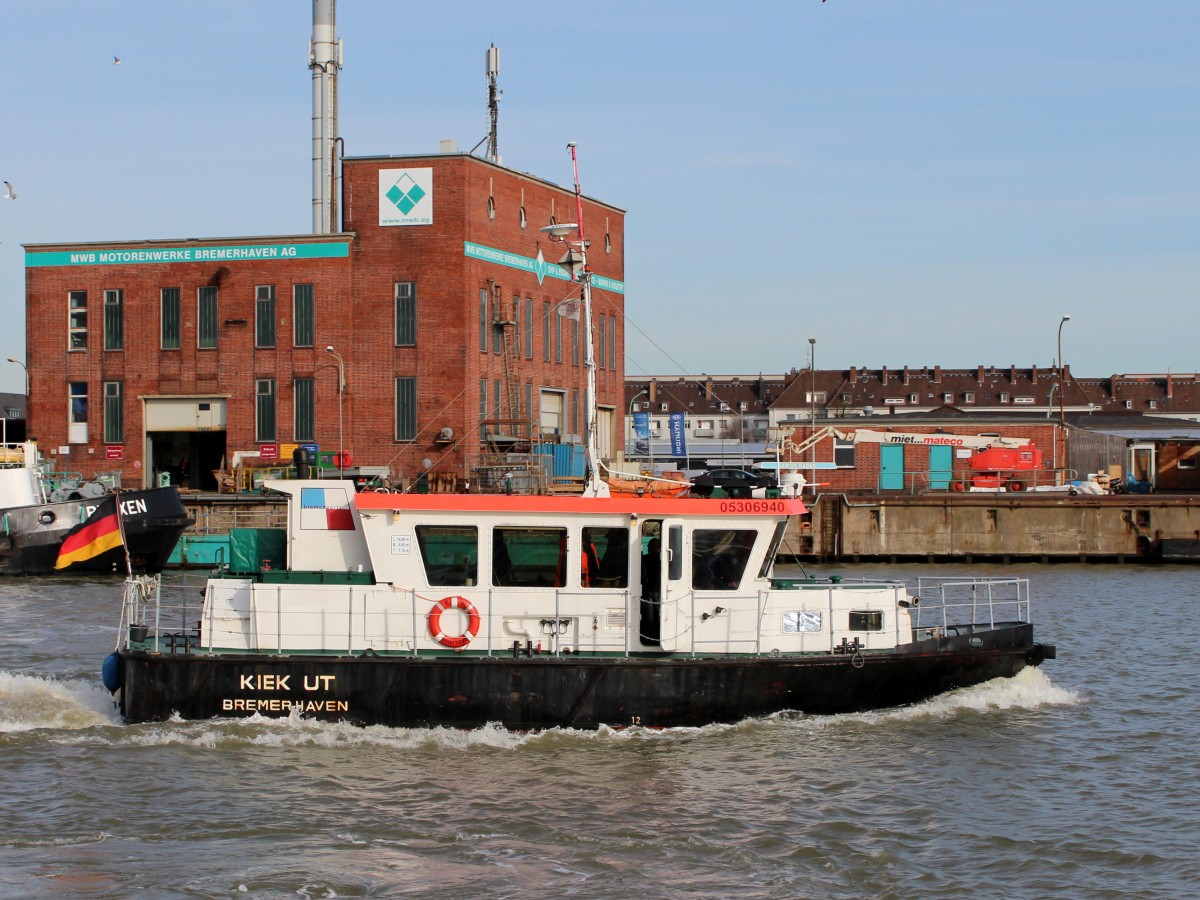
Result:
{"points": [[304, 407], [406, 314], [483, 320], [546, 331], [600, 343], [406, 408], [264, 316], [529, 328], [114, 319], [206, 318], [303, 315], [612, 342], [77, 316], [264, 408], [169, 304], [114, 412]]}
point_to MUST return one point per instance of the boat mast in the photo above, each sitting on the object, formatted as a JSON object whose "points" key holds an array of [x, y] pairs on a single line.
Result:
{"points": [[576, 264]]}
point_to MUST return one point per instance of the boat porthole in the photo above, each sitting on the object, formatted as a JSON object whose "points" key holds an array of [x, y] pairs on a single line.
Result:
{"points": [[47, 517], [976, 642]]}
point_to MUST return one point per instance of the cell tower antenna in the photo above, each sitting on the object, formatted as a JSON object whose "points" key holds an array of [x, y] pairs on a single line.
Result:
{"points": [[492, 64]]}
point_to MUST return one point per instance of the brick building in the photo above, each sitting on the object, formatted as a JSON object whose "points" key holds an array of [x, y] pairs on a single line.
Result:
{"points": [[449, 320]]}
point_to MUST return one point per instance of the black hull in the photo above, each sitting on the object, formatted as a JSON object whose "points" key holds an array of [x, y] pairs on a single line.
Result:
{"points": [[35, 533], [578, 692]]}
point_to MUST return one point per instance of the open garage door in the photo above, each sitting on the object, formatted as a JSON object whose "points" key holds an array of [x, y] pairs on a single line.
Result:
{"points": [[185, 440]]}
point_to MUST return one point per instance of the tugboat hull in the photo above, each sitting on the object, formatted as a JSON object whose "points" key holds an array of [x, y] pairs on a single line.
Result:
{"points": [[573, 691], [32, 535]]}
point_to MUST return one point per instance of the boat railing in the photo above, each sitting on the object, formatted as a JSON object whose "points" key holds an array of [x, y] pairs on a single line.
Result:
{"points": [[946, 602]]}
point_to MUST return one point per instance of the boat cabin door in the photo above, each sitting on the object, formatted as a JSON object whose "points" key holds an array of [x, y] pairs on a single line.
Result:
{"points": [[674, 562]]}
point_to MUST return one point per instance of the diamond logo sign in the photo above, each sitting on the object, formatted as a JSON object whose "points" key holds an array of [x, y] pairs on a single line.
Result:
{"points": [[406, 196]]}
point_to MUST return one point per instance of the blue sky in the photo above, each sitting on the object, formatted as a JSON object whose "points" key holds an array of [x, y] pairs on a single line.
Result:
{"points": [[910, 183]]}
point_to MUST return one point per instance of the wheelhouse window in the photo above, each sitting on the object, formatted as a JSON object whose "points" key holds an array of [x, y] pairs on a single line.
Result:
{"points": [[303, 315], [604, 562], [264, 316], [449, 553], [114, 412], [719, 558], [406, 409], [302, 426], [264, 429], [169, 303], [406, 314], [77, 323], [206, 318], [114, 320], [530, 557]]}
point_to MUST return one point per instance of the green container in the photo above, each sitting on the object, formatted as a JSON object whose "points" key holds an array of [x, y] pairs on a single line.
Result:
{"points": [[252, 549]]}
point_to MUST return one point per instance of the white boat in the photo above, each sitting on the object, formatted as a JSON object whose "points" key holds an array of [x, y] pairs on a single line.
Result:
{"points": [[546, 611]]}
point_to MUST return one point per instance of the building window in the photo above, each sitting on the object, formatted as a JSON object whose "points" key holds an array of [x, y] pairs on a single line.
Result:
{"points": [[1154, 404], [482, 399], [406, 409], [206, 318], [77, 398], [496, 399], [114, 320], [517, 335], [169, 300], [483, 320], [811, 397], [528, 401], [529, 328], [498, 318], [969, 397], [77, 320], [1003, 397], [574, 342], [575, 411], [558, 339], [302, 423], [303, 314], [406, 314], [612, 342], [601, 342], [264, 318], [546, 331], [843, 453], [114, 412], [947, 398], [264, 430]]}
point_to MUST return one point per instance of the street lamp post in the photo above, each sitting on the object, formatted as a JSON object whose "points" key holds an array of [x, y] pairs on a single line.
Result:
{"points": [[1062, 387], [812, 398], [341, 457]]}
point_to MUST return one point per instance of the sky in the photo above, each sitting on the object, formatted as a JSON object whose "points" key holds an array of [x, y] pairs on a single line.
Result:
{"points": [[908, 182]]}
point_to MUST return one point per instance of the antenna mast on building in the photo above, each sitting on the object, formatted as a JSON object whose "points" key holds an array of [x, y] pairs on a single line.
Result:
{"points": [[492, 64], [324, 60]]}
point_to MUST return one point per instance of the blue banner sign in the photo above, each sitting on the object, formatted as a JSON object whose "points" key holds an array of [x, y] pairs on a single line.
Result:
{"points": [[535, 265], [641, 433], [125, 256], [678, 441]]}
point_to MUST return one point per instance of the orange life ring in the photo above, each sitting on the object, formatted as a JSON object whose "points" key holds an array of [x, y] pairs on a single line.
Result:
{"points": [[454, 642], [958, 486]]}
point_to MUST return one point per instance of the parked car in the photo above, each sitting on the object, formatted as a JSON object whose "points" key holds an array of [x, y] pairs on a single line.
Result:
{"points": [[734, 482]]}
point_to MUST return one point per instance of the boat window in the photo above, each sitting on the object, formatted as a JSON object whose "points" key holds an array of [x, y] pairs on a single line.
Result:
{"points": [[529, 557], [776, 540], [606, 551], [674, 552], [450, 553], [866, 620], [719, 558]]}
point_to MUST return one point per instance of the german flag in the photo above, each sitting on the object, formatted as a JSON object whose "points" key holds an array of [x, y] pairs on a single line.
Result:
{"points": [[100, 532]]}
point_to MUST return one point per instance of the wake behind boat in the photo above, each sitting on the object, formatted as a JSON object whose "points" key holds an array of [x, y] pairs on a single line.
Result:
{"points": [[39, 509]]}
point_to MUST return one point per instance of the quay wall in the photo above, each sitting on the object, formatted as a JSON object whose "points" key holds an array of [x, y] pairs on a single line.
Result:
{"points": [[963, 528]]}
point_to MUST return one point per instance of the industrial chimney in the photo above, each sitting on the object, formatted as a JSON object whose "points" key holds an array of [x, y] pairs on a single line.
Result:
{"points": [[324, 60]]}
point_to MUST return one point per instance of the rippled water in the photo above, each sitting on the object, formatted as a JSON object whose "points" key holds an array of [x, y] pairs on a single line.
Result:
{"points": [[1078, 780]]}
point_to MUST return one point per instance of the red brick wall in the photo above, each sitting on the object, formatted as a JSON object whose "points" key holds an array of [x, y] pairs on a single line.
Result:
{"points": [[864, 476], [354, 299]]}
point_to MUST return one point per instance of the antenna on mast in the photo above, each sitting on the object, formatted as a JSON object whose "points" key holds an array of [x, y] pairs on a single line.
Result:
{"points": [[492, 65]]}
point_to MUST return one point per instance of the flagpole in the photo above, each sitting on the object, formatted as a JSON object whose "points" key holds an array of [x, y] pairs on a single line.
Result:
{"points": [[121, 531]]}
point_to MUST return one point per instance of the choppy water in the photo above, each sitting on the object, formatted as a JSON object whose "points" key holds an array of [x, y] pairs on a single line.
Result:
{"points": [[1076, 780]]}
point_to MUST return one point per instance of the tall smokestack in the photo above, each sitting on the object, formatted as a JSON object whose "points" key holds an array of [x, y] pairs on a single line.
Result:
{"points": [[324, 60]]}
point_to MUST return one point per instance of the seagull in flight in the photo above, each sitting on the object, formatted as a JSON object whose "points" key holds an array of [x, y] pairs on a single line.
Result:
{"points": [[9, 192], [117, 59]]}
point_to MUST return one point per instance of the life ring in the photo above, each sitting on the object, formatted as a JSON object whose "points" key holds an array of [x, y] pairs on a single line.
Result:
{"points": [[958, 486], [454, 642], [1015, 486]]}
